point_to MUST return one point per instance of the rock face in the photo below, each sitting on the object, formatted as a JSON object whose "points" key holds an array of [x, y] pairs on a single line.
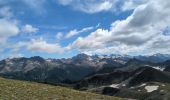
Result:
{"points": [[55, 70], [38, 69], [154, 58], [103, 79], [148, 74], [113, 68]]}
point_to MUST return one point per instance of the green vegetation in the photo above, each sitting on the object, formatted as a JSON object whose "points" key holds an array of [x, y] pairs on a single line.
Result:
{"points": [[22, 90]]}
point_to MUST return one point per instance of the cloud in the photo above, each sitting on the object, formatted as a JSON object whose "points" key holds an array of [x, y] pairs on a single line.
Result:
{"points": [[98, 25], [8, 28], [16, 55], [39, 45], [36, 45], [93, 41], [5, 12], [29, 29], [59, 35], [88, 6], [76, 32], [72, 33], [120, 49], [8, 25], [140, 32], [95, 6], [132, 4], [143, 25], [33, 5], [37, 6], [11, 50], [144, 31]]}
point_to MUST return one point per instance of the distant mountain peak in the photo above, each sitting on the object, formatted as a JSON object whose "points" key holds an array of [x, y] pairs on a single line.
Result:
{"points": [[37, 58], [81, 56]]}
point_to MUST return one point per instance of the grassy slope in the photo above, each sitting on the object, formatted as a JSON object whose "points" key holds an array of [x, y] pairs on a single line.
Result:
{"points": [[20, 90]]}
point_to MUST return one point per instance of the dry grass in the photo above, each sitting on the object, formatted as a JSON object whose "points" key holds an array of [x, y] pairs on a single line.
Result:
{"points": [[22, 90]]}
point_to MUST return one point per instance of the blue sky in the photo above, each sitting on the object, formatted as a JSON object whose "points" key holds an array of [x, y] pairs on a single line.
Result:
{"points": [[64, 28]]}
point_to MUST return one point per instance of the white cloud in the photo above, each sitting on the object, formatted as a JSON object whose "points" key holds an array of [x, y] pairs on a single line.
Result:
{"points": [[29, 29], [93, 41], [8, 28], [146, 22], [132, 4], [120, 49], [76, 32], [141, 32], [98, 25], [40, 45], [59, 35], [72, 33], [8, 25], [15, 55], [86, 29], [95, 6], [15, 48], [89, 6]]}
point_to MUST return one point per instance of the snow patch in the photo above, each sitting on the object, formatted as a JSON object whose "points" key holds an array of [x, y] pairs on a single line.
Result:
{"points": [[49, 60], [159, 68], [90, 59], [114, 85], [163, 84], [156, 67], [151, 88], [142, 85], [123, 84]]}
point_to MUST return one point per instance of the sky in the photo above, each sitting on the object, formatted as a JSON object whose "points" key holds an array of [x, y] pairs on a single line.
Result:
{"points": [[64, 28]]}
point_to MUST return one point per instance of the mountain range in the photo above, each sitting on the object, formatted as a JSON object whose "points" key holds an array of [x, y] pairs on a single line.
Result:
{"points": [[116, 75]]}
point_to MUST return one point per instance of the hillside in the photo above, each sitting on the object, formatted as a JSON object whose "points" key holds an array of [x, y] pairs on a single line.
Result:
{"points": [[20, 90], [135, 84]]}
